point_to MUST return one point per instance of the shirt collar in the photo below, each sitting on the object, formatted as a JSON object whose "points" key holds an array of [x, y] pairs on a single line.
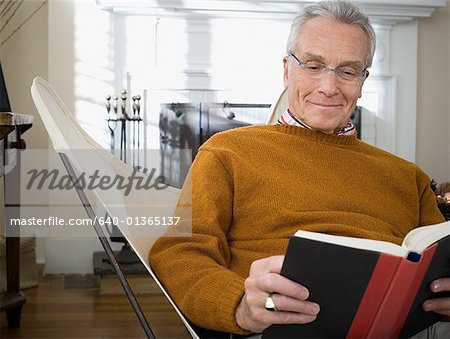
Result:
{"points": [[287, 118]]}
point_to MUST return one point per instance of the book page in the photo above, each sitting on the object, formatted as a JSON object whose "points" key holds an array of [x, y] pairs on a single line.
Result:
{"points": [[359, 243], [422, 237]]}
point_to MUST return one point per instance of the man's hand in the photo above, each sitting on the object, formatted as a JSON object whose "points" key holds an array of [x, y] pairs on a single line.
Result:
{"points": [[439, 305], [289, 297]]}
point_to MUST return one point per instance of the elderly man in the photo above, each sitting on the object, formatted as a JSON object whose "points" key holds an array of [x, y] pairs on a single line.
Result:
{"points": [[255, 186]]}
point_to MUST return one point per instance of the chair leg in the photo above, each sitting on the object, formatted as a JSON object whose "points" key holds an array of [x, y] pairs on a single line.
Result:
{"points": [[107, 247], [13, 316]]}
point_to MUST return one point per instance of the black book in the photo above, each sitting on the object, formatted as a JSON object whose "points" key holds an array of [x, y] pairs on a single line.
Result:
{"points": [[367, 288]]}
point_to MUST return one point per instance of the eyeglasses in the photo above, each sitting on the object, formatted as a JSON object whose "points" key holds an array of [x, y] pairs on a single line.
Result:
{"points": [[346, 74]]}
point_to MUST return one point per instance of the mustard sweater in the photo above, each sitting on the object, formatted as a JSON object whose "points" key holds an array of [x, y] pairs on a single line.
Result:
{"points": [[255, 186]]}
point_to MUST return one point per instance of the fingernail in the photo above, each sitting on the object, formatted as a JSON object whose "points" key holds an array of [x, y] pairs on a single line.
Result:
{"points": [[427, 306], [436, 286], [304, 293], [315, 308]]}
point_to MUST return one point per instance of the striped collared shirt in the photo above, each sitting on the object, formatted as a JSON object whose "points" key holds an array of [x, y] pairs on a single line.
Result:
{"points": [[287, 118]]}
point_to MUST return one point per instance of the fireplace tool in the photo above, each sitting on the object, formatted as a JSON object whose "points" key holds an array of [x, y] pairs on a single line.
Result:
{"points": [[112, 118]]}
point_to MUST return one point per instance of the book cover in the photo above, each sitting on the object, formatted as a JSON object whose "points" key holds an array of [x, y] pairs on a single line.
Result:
{"points": [[363, 293]]}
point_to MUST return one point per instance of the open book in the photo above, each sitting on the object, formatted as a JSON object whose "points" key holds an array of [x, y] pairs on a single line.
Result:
{"points": [[414, 243], [367, 288]]}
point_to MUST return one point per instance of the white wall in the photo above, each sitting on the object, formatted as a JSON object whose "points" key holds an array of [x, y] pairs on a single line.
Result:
{"points": [[433, 99], [44, 47], [24, 56]]}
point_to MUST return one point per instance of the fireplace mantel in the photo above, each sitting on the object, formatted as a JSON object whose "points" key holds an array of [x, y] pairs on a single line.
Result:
{"points": [[384, 11]]}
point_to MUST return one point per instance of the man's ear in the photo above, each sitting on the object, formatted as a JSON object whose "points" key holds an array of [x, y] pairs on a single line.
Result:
{"points": [[360, 88], [286, 71]]}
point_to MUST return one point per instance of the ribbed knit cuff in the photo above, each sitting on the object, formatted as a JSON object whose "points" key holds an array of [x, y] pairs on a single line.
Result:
{"points": [[231, 297]]}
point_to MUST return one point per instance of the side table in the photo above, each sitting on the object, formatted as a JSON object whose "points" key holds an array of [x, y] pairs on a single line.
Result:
{"points": [[12, 126]]}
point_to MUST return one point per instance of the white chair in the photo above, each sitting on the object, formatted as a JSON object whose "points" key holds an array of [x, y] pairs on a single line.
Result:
{"points": [[278, 107], [71, 143]]}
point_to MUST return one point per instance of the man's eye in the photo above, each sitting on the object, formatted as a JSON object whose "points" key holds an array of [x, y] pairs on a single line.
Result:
{"points": [[348, 71], [313, 67]]}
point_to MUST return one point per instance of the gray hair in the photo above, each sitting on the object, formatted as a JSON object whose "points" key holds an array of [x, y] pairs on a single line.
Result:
{"points": [[341, 11]]}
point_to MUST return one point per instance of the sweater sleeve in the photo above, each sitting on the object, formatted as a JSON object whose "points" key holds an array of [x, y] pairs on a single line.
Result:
{"points": [[194, 269], [429, 211]]}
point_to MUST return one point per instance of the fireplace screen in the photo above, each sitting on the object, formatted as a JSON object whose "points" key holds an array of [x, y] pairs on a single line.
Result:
{"points": [[189, 125]]}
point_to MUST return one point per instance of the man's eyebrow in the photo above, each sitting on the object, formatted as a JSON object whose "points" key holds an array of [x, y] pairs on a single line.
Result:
{"points": [[319, 58], [310, 56], [354, 64]]}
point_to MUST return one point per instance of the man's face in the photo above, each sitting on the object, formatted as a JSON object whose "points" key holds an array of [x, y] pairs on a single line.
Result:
{"points": [[325, 102]]}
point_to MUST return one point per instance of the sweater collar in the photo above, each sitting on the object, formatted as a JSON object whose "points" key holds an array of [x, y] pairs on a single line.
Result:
{"points": [[287, 118]]}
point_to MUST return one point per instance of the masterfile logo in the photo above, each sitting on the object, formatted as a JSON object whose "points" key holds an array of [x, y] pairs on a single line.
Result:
{"points": [[48, 197], [141, 178]]}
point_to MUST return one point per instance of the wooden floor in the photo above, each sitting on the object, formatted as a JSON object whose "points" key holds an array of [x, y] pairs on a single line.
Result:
{"points": [[51, 311]]}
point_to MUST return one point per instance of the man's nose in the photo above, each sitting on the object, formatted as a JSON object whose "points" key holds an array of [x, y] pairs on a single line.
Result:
{"points": [[329, 82]]}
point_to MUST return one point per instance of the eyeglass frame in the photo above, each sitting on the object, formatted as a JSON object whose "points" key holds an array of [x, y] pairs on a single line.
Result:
{"points": [[361, 76]]}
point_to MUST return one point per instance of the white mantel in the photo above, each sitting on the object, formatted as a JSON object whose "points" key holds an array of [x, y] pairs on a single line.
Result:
{"points": [[379, 10]]}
